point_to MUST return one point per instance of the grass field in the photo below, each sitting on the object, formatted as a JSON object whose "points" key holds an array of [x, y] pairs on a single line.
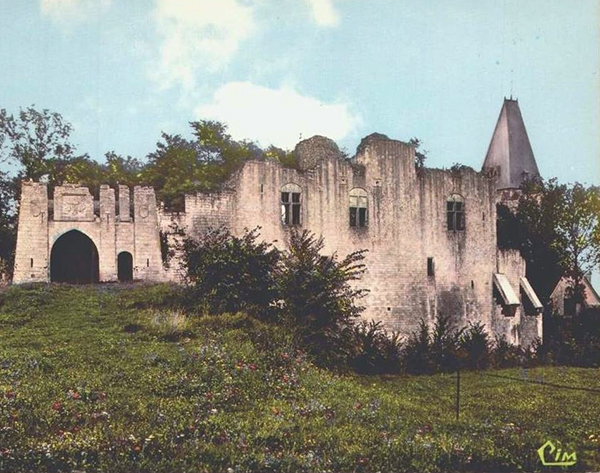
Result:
{"points": [[103, 379]]}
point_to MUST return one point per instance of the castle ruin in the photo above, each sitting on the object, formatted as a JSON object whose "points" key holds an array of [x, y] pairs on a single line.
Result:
{"points": [[430, 234]]}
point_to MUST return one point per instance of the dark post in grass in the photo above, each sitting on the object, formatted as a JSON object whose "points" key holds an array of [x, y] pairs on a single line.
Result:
{"points": [[457, 393]]}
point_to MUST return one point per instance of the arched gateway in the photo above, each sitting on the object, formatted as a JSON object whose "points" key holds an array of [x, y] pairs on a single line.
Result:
{"points": [[74, 259]]}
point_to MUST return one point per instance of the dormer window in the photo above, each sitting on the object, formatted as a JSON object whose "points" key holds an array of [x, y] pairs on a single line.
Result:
{"points": [[455, 213], [291, 204]]}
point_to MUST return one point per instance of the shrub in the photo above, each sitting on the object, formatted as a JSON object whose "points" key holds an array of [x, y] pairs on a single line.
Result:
{"points": [[571, 340], [506, 355], [170, 324], [378, 351], [474, 347], [417, 353], [231, 274], [444, 344], [446, 348], [318, 298]]}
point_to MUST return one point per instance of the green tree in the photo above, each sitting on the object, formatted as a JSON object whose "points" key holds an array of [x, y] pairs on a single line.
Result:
{"points": [[37, 143], [180, 166], [557, 228], [320, 299], [231, 274], [7, 222]]}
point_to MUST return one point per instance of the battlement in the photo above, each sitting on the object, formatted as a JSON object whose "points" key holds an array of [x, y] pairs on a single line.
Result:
{"points": [[76, 203], [115, 236]]}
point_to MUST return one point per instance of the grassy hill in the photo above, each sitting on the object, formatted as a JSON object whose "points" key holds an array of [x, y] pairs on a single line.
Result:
{"points": [[106, 378]]}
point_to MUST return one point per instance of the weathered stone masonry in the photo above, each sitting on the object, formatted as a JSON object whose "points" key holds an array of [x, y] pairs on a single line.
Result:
{"points": [[406, 225], [430, 234], [111, 228]]}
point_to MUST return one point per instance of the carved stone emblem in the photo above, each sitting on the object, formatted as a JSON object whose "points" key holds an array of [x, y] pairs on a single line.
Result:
{"points": [[144, 210], [36, 208], [74, 205]]}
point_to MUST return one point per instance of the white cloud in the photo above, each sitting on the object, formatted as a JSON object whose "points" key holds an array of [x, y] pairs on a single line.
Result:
{"points": [[324, 12], [67, 12], [277, 116], [198, 35]]}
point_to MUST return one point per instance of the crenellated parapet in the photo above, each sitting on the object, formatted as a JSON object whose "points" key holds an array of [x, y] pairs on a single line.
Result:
{"points": [[101, 233]]}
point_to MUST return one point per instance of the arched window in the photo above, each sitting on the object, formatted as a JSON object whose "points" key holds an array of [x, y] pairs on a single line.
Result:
{"points": [[455, 213], [358, 207], [290, 204]]}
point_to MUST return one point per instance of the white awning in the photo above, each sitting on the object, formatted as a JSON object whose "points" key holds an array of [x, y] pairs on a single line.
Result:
{"points": [[505, 289], [530, 293]]}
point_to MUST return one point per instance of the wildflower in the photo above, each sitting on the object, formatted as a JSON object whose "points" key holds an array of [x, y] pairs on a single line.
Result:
{"points": [[9, 394], [56, 406], [253, 367], [358, 406]]}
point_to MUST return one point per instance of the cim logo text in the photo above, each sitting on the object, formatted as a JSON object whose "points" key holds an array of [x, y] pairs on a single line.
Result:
{"points": [[550, 455]]}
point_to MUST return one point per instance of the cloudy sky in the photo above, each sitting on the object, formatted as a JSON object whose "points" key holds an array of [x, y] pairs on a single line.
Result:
{"points": [[278, 70]]}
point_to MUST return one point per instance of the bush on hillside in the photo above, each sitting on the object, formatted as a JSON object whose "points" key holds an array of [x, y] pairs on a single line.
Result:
{"points": [[571, 340], [474, 347], [231, 274], [318, 298], [378, 352]]}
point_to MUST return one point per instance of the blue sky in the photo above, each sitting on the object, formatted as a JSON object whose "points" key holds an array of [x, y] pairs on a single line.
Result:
{"points": [[277, 70]]}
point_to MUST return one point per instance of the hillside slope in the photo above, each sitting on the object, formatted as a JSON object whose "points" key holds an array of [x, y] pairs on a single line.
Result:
{"points": [[104, 379]]}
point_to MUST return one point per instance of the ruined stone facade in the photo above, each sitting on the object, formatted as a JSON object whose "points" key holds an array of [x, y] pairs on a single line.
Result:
{"points": [[430, 234], [117, 232]]}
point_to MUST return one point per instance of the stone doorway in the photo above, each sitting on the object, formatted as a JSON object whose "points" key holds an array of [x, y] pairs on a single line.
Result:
{"points": [[125, 266], [74, 259]]}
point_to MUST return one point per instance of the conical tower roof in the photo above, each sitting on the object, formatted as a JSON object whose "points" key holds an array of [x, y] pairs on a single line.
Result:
{"points": [[510, 150]]}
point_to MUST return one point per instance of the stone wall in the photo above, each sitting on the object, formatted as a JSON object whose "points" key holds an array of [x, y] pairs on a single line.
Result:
{"points": [[407, 224], [31, 255], [406, 227], [74, 208]]}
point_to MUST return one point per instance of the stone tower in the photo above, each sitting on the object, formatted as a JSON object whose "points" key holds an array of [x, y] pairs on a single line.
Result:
{"points": [[510, 152]]}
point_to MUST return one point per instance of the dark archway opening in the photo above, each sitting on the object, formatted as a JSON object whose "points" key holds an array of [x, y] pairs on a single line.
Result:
{"points": [[125, 266], [74, 259]]}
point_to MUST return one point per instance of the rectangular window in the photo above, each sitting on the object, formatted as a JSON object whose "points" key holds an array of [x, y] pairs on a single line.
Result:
{"points": [[460, 215], [353, 215], [362, 217], [358, 211], [285, 208], [430, 267], [455, 216], [450, 215], [290, 208]]}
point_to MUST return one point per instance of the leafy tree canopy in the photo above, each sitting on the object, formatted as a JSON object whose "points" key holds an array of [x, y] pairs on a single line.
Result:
{"points": [[557, 228]]}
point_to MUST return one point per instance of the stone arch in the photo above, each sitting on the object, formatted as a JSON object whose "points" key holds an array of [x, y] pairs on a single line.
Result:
{"points": [[125, 266], [74, 259]]}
